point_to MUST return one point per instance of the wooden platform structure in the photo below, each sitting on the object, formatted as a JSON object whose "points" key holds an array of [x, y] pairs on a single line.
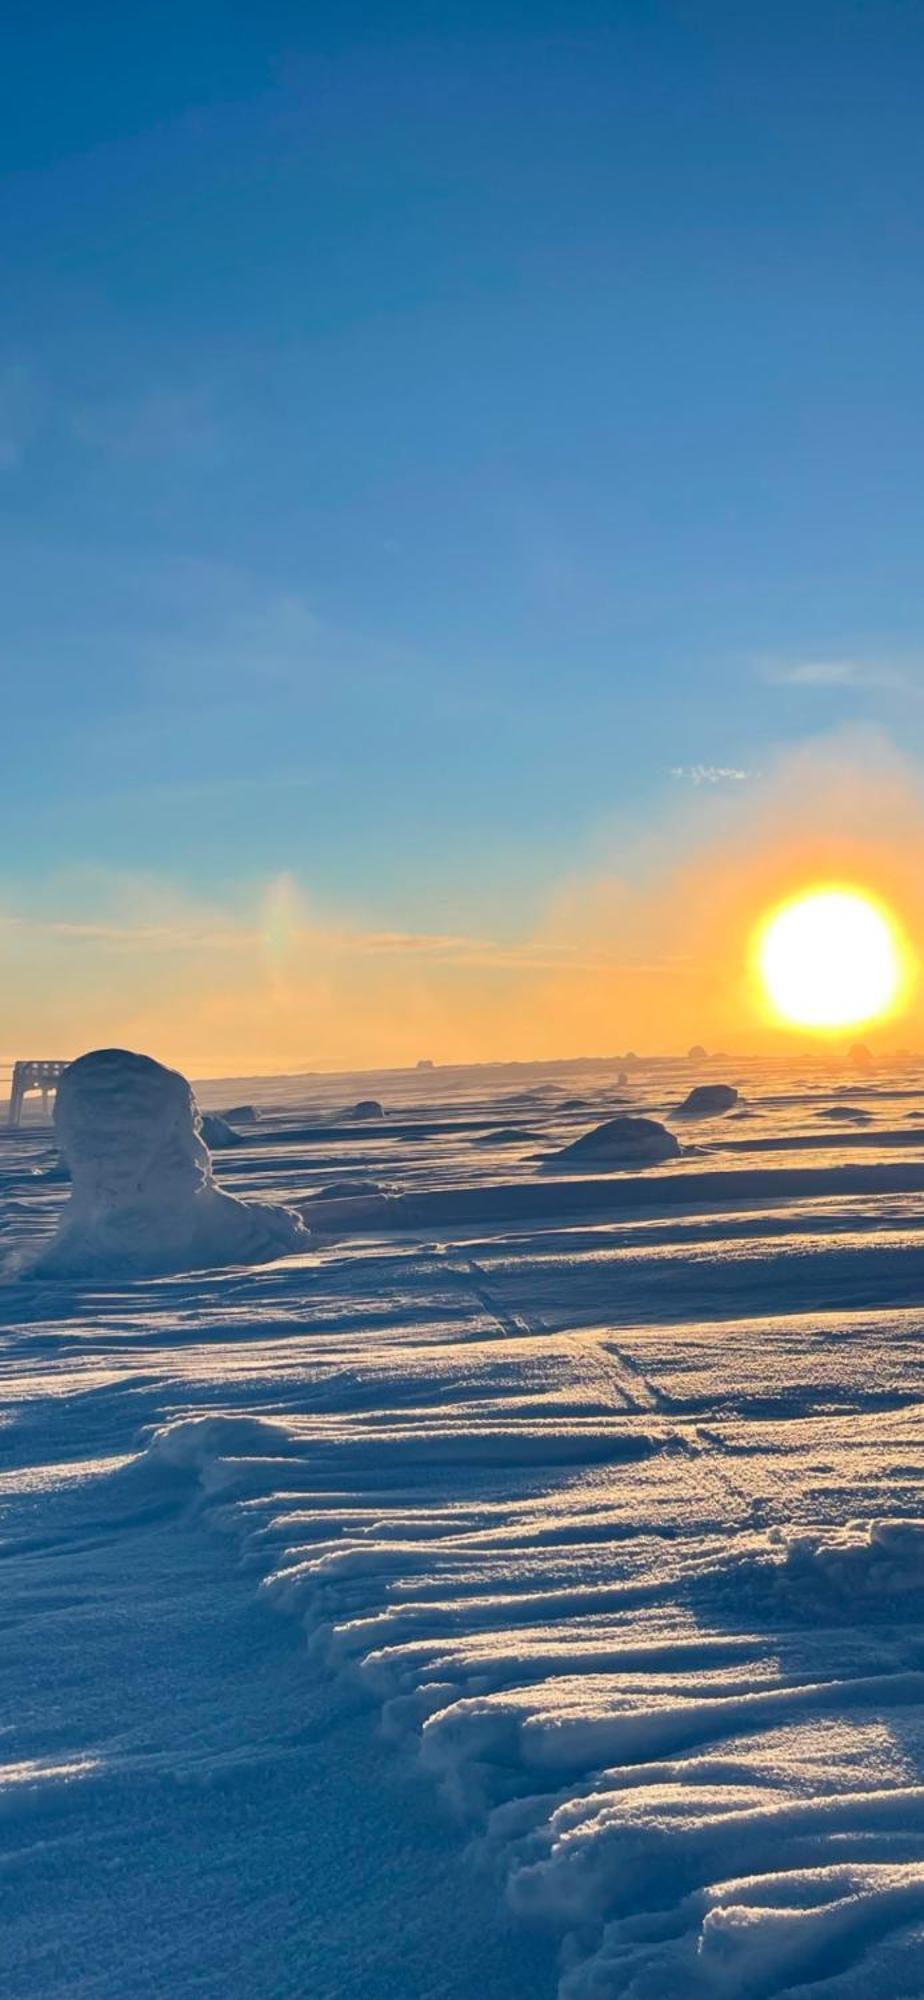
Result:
{"points": [[33, 1075]]}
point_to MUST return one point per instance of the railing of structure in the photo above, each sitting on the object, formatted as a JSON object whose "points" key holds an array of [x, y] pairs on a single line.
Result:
{"points": [[34, 1075]]}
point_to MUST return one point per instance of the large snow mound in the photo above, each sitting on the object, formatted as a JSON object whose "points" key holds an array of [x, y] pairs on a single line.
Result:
{"points": [[707, 1100], [629, 1141], [143, 1199]]}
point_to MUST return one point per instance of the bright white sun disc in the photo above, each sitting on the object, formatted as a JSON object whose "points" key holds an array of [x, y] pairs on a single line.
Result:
{"points": [[829, 959]]}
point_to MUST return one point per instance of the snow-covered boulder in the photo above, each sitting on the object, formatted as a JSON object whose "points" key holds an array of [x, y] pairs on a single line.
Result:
{"points": [[142, 1195], [627, 1142], [707, 1100], [368, 1107], [217, 1132]]}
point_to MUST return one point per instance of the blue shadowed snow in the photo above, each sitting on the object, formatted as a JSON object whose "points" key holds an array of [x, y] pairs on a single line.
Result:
{"points": [[521, 1592]]}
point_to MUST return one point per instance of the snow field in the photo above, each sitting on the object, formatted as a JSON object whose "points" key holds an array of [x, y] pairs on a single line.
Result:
{"points": [[614, 1518]]}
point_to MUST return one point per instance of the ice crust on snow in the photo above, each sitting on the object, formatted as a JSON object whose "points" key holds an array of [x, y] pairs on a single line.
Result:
{"points": [[143, 1199]]}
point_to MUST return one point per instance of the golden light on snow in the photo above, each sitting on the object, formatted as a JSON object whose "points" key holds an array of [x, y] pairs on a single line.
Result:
{"points": [[831, 958]]}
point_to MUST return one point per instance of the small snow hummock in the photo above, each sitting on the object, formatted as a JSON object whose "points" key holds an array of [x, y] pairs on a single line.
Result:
{"points": [[628, 1141], [216, 1131], [143, 1200], [706, 1100], [368, 1107], [347, 1187]]}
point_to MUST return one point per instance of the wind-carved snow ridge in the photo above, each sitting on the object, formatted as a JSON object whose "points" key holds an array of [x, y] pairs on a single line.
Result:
{"points": [[691, 1809], [603, 1587], [606, 1487], [143, 1200]]}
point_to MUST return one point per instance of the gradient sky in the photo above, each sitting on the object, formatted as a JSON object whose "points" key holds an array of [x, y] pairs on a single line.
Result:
{"points": [[434, 438]]}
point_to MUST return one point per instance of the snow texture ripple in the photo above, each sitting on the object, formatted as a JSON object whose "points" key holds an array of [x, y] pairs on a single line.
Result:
{"points": [[615, 1517]]}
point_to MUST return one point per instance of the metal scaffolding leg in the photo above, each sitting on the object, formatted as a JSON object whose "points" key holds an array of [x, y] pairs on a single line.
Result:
{"points": [[43, 1076]]}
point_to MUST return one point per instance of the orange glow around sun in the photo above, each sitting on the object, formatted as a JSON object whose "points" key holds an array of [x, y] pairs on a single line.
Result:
{"points": [[830, 958]]}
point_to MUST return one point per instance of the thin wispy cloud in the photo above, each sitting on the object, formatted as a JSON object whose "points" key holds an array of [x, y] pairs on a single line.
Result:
{"points": [[844, 673], [295, 937], [219, 631], [167, 936], [711, 774]]}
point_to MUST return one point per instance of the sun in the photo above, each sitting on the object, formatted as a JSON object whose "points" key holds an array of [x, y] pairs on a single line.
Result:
{"points": [[831, 958]]}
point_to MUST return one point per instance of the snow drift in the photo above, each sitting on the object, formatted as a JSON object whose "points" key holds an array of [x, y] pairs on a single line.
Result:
{"points": [[606, 1490], [143, 1199]]}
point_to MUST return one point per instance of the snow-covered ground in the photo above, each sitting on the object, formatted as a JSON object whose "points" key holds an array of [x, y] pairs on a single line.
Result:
{"points": [[519, 1591]]}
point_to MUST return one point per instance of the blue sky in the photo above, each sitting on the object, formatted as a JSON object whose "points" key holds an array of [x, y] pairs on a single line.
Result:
{"points": [[423, 430]]}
